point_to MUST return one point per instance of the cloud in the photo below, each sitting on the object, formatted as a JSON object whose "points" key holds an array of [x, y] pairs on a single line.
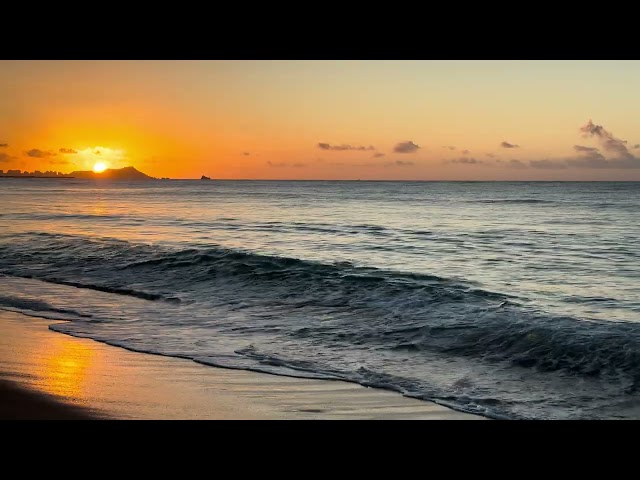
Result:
{"points": [[450, 147], [5, 157], [378, 155], [632, 162], [490, 155], [59, 162], [285, 164], [400, 163], [366, 164], [509, 145], [586, 157], [637, 145], [343, 147], [406, 147], [97, 152], [592, 158], [465, 152], [580, 148], [246, 154], [547, 164], [466, 161], [37, 153], [591, 161], [67, 150], [4, 145], [607, 140], [513, 163]]}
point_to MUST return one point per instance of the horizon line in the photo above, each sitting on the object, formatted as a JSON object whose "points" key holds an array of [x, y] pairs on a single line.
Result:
{"points": [[374, 180]]}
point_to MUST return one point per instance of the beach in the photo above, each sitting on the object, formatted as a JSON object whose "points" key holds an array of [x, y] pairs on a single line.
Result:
{"points": [[49, 375]]}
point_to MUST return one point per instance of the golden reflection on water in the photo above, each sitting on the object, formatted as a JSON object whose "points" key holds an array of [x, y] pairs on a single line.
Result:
{"points": [[65, 367], [99, 207]]}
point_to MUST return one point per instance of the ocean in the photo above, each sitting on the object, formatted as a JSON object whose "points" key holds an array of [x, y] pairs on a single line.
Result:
{"points": [[516, 300]]}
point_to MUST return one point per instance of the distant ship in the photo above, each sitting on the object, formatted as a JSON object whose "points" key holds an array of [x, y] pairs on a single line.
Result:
{"points": [[204, 178]]}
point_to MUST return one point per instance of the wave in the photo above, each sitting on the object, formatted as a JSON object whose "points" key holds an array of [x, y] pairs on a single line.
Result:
{"points": [[346, 311], [584, 348], [101, 288], [116, 266], [36, 306], [514, 201]]}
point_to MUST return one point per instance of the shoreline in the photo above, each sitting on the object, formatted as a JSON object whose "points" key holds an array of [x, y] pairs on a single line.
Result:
{"points": [[50, 375]]}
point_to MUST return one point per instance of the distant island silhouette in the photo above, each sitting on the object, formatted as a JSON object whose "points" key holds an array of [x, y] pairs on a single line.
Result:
{"points": [[203, 177], [126, 173]]}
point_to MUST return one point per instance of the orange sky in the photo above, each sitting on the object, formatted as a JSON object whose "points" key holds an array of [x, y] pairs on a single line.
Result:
{"points": [[425, 120]]}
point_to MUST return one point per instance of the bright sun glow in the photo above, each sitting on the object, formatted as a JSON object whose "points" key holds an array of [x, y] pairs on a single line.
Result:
{"points": [[99, 167]]}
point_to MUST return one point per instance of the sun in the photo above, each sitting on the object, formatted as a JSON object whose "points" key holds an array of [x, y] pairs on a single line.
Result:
{"points": [[99, 167]]}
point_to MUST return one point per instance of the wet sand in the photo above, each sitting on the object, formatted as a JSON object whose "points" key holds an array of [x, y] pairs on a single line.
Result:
{"points": [[48, 375], [17, 403]]}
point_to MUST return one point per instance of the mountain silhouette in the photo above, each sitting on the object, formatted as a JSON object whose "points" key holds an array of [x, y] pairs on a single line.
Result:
{"points": [[126, 173]]}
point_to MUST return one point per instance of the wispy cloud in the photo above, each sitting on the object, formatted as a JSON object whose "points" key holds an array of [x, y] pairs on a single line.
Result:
{"points": [[61, 161], [466, 161], [389, 163], [406, 147], [285, 164], [4, 145], [343, 147], [37, 153], [513, 163], [509, 145], [246, 154], [589, 161], [400, 163], [547, 164], [5, 157], [67, 150], [580, 148], [490, 155], [589, 157], [452, 147], [378, 155]]}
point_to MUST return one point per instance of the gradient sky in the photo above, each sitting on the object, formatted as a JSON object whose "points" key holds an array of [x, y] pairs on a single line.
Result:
{"points": [[422, 120]]}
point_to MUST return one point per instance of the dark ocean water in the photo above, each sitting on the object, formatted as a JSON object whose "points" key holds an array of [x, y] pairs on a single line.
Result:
{"points": [[511, 300]]}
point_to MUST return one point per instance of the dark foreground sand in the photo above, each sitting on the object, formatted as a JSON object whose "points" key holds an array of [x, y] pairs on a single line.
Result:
{"points": [[48, 375], [17, 403]]}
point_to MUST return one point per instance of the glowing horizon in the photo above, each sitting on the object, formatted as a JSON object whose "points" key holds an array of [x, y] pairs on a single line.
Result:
{"points": [[369, 120]]}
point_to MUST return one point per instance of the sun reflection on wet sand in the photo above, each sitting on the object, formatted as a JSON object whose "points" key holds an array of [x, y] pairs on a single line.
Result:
{"points": [[65, 368]]}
